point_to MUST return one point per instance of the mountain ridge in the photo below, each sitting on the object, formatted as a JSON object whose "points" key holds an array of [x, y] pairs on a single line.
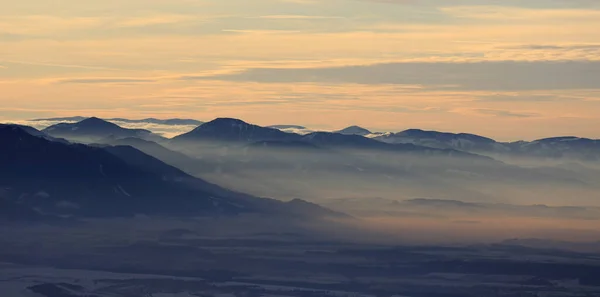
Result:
{"points": [[173, 121], [93, 129], [95, 181]]}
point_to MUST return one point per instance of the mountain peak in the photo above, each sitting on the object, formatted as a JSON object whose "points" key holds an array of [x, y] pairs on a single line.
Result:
{"points": [[232, 121], [230, 129], [96, 122], [418, 133], [354, 130], [94, 129], [222, 123]]}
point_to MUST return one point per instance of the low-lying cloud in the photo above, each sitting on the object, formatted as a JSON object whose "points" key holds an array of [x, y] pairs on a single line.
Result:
{"points": [[161, 129]]}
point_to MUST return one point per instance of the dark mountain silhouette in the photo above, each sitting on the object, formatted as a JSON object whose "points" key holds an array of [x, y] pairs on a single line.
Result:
{"points": [[341, 141], [171, 157], [459, 141], [28, 129], [74, 179], [227, 130], [35, 132], [94, 129], [354, 130], [232, 130], [329, 139], [568, 147]]}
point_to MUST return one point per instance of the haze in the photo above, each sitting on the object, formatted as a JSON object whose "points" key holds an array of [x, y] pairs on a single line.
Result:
{"points": [[299, 148]]}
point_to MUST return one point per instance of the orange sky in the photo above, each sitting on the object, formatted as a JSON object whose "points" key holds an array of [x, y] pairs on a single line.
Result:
{"points": [[501, 71]]}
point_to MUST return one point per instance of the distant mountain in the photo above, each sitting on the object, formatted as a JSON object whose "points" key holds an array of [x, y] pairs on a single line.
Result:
{"points": [[230, 130], [28, 129], [442, 140], [226, 130], [354, 130], [34, 132], [330, 139], [300, 145], [94, 129], [158, 151], [173, 122], [558, 147], [342, 141], [549, 148], [46, 177]]}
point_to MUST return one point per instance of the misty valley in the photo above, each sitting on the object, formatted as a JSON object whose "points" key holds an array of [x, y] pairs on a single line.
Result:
{"points": [[94, 207]]}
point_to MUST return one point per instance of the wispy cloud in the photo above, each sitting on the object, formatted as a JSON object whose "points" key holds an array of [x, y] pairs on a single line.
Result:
{"points": [[297, 17], [104, 80], [36, 63], [518, 97], [507, 75], [505, 113]]}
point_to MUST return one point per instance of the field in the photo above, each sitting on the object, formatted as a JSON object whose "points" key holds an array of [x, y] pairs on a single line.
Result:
{"points": [[192, 258]]}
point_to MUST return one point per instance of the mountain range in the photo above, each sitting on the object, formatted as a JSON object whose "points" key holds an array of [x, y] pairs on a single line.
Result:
{"points": [[45, 177], [97, 168], [229, 130], [567, 147], [232, 131], [235, 131], [355, 130], [172, 122], [570, 147], [94, 129]]}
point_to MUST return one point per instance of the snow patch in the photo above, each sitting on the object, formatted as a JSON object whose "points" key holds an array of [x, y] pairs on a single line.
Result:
{"points": [[123, 191]]}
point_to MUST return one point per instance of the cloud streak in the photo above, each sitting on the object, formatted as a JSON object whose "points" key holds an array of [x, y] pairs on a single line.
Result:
{"points": [[161, 129], [506, 76], [104, 80]]}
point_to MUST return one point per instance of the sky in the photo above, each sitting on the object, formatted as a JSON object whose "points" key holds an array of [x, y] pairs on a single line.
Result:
{"points": [[508, 69]]}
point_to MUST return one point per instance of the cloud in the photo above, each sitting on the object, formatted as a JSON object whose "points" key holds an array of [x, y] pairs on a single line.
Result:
{"points": [[303, 2], [527, 98], [57, 65], [297, 17], [505, 113], [507, 75], [9, 37], [165, 130], [556, 47], [508, 13], [104, 80], [534, 4]]}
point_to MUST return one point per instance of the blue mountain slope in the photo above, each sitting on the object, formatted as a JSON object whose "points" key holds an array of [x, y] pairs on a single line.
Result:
{"points": [[93, 129], [75, 179]]}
